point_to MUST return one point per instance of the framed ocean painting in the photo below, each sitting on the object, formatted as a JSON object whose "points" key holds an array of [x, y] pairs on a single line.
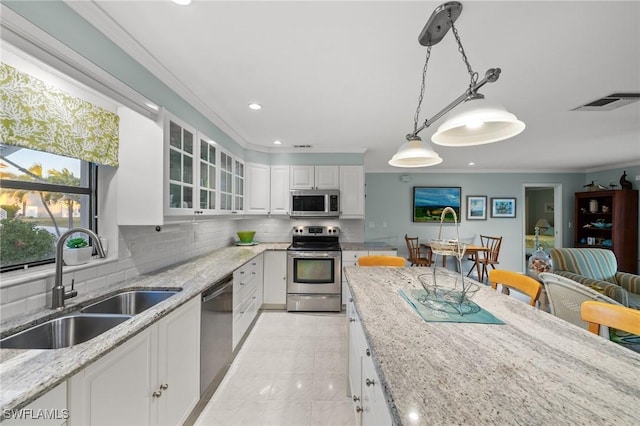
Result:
{"points": [[503, 207], [430, 201]]}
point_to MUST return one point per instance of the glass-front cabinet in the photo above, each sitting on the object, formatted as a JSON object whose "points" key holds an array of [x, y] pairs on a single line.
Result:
{"points": [[203, 179], [231, 184], [181, 171]]}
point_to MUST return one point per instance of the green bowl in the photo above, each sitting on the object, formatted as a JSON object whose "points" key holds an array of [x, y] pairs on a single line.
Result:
{"points": [[246, 236]]}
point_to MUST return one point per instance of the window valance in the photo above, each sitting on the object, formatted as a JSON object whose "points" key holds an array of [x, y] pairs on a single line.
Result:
{"points": [[36, 115]]}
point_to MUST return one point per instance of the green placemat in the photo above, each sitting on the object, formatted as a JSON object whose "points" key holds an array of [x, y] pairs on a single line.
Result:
{"points": [[435, 311]]}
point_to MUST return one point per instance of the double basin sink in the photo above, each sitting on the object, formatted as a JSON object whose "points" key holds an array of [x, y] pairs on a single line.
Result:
{"points": [[88, 322]]}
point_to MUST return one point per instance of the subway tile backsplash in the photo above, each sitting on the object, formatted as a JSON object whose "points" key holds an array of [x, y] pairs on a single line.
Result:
{"points": [[142, 249]]}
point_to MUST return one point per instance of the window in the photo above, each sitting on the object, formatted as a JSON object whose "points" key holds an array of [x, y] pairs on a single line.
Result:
{"points": [[42, 195]]}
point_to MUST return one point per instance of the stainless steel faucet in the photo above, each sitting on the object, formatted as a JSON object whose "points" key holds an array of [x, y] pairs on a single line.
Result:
{"points": [[58, 295]]}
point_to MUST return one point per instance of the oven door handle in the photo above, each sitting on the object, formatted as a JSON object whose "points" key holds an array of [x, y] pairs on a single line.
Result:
{"points": [[315, 254]]}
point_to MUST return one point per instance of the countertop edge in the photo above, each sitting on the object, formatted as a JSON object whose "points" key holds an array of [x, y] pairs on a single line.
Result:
{"points": [[78, 357]]}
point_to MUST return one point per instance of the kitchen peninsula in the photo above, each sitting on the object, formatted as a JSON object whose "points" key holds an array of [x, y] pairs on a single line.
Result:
{"points": [[533, 369]]}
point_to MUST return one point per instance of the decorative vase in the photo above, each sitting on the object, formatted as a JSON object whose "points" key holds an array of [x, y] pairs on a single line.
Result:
{"points": [[76, 256]]}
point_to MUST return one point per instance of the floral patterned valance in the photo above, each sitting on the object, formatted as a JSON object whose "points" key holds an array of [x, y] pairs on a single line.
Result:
{"points": [[36, 115]]}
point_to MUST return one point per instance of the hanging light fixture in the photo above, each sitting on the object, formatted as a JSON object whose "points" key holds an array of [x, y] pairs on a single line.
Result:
{"points": [[477, 121]]}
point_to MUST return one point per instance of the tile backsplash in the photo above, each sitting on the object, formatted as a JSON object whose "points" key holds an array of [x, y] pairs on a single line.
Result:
{"points": [[143, 249]]}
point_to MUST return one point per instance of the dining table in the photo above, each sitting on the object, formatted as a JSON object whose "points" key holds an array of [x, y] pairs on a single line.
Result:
{"points": [[470, 250]]}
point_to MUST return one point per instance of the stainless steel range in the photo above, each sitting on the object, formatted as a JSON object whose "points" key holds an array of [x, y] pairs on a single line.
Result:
{"points": [[314, 269]]}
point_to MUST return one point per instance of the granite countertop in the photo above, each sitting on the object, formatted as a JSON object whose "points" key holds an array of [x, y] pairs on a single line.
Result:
{"points": [[27, 374], [534, 369], [372, 246]]}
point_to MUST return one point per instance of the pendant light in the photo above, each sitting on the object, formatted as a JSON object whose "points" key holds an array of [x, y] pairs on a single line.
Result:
{"points": [[415, 153], [477, 121]]}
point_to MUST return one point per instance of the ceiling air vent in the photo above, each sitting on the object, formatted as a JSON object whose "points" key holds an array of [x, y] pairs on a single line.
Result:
{"points": [[608, 103], [302, 146]]}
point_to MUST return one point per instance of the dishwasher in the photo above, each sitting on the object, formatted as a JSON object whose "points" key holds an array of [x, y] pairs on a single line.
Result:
{"points": [[216, 327]]}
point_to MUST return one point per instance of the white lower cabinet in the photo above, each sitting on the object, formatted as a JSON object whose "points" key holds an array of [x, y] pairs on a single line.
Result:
{"points": [[275, 278], [367, 395], [247, 296], [151, 379], [48, 410]]}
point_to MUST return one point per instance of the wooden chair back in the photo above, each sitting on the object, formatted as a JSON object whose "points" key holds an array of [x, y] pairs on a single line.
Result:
{"points": [[381, 261], [603, 313], [493, 244], [415, 255], [516, 281]]}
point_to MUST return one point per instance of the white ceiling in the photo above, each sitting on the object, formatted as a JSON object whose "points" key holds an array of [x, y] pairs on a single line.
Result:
{"points": [[344, 76]]}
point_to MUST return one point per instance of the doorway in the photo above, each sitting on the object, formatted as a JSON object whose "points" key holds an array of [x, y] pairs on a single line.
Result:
{"points": [[543, 209]]}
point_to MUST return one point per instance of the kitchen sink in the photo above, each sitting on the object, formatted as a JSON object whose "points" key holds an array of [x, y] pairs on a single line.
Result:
{"points": [[129, 302], [63, 332]]}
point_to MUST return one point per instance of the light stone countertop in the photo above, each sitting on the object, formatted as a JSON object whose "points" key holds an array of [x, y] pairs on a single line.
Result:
{"points": [[370, 246], [27, 374], [535, 369]]}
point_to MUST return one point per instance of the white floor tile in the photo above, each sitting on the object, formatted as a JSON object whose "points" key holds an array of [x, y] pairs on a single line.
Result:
{"points": [[291, 370]]}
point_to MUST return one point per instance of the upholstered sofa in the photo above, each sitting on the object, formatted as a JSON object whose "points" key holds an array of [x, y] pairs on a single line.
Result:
{"points": [[598, 269]]}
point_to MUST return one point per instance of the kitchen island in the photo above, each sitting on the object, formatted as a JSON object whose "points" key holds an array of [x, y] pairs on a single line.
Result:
{"points": [[533, 369]]}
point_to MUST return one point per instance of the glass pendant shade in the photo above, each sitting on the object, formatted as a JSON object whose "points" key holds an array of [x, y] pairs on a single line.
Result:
{"points": [[415, 153], [478, 122]]}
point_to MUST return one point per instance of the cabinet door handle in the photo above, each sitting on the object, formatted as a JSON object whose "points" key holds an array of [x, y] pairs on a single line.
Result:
{"points": [[368, 352], [157, 394], [359, 409], [370, 382], [355, 398], [164, 386], [352, 320]]}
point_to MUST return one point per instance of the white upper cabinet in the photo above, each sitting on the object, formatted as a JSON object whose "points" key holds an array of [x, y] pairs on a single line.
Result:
{"points": [[232, 176], [352, 192], [267, 189], [314, 177], [280, 195], [169, 171], [258, 188], [180, 185]]}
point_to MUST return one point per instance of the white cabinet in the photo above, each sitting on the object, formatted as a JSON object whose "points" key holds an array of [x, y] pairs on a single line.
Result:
{"points": [[267, 189], [350, 258], [275, 279], [247, 296], [351, 192], [280, 195], [151, 379], [167, 170], [232, 177], [366, 390], [258, 188], [314, 177], [48, 410]]}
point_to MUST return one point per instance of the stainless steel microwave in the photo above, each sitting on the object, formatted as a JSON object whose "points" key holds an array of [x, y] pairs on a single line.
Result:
{"points": [[315, 203]]}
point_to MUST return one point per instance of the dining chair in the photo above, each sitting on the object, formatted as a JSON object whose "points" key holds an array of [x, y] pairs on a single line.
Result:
{"points": [[374, 260], [489, 257], [565, 297], [522, 283], [618, 317], [415, 252]]}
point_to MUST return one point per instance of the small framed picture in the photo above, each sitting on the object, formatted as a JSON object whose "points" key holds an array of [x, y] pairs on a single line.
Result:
{"points": [[548, 207], [503, 207], [476, 207]]}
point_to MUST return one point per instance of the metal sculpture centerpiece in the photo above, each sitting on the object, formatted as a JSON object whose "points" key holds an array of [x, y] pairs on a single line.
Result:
{"points": [[442, 291]]}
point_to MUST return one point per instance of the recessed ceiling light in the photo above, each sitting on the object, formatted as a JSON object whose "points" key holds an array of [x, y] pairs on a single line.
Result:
{"points": [[255, 106], [182, 2], [471, 163], [277, 143]]}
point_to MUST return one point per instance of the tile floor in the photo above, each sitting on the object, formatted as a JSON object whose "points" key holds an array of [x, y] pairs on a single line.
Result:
{"points": [[291, 370]]}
